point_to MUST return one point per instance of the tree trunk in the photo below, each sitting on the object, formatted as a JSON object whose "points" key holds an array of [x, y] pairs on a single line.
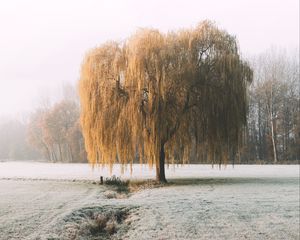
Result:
{"points": [[273, 142], [272, 125], [53, 154], [60, 152], [47, 150], [70, 153], [160, 167], [260, 144]]}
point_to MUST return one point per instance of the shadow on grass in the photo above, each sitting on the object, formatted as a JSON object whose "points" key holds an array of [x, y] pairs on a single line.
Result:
{"points": [[230, 181]]}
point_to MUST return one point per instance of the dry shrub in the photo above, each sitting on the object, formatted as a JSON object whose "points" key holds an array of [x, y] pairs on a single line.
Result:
{"points": [[101, 221], [106, 223], [110, 227], [119, 184]]}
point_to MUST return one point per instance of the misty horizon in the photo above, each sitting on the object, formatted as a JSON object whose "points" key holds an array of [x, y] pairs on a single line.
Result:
{"points": [[43, 44]]}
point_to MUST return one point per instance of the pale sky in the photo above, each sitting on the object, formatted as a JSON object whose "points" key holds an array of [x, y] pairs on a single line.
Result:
{"points": [[42, 42]]}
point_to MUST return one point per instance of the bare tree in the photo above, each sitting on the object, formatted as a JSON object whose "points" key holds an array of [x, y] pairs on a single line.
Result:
{"points": [[56, 132], [35, 134], [274, 105], [58, 123]]}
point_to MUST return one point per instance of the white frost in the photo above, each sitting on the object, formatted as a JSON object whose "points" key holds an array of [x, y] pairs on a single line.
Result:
{"points": [[244, 202], [68, 171]]}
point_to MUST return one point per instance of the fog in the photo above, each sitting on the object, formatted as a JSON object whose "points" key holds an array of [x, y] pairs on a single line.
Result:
{"points": [[42, 43]]}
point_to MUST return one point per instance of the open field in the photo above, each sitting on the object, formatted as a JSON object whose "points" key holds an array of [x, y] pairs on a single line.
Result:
{"points": [[247, 202], [66, 171]]}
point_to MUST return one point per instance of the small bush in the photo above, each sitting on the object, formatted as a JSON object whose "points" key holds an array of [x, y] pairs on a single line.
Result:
{"points": [[121, 185], [116, 181]]}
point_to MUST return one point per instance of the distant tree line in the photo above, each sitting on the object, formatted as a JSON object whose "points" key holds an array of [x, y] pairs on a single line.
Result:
{"points": [[55, 132], [273, 130], [51, 132]]}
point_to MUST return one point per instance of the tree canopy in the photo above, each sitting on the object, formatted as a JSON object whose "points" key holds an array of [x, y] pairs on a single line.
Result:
{"points": [[159, 97]]}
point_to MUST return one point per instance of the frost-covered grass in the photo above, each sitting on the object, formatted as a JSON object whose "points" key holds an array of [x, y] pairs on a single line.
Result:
{"points": [[247, 202], [38, 170]]}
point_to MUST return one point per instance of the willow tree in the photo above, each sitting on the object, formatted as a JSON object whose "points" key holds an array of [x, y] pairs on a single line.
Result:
{"points": [[158, 97]]}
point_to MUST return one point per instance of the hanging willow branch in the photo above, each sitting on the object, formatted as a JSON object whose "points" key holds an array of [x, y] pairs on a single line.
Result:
{"points": [[170, 94]]}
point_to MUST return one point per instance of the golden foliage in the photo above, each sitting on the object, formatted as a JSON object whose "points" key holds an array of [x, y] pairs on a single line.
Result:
{"points": [[158, 94]]}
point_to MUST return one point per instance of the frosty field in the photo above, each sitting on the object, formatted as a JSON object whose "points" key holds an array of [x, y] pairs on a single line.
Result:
{"points": [[51, 201]]}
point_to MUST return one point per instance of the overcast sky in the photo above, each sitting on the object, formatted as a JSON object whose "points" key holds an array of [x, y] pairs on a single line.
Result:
{"points": [[42, 42]]}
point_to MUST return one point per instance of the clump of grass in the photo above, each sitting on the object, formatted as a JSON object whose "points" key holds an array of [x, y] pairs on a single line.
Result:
{"points": [[106, 223], [110, 228], [110, 194], [101, 223], [135, 186], [118, 183]]}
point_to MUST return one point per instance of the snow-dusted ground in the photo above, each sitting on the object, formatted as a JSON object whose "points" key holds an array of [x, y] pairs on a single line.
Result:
{"points": [[39, 170], [244, 202]]}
